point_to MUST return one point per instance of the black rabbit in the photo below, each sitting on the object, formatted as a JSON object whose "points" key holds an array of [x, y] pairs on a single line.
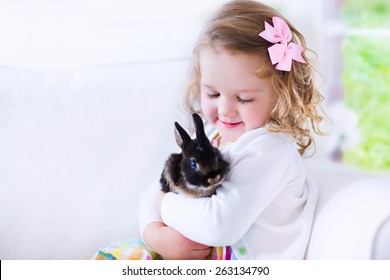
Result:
{"points": [[199, 169]]}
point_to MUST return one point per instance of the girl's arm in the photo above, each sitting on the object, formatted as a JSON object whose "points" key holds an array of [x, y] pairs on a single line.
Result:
{"points": [[172, 245], [259, 172], [164, 240]]}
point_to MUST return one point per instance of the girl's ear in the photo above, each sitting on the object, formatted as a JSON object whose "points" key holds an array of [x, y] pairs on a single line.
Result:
{"points": [[182, 137], [200, 134]]}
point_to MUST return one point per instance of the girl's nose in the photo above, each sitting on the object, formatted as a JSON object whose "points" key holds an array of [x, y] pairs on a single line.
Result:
{"points": [[226, 108]]}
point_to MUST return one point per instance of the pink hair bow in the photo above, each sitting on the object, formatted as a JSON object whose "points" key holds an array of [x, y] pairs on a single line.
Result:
{"points": [[284, 52]]}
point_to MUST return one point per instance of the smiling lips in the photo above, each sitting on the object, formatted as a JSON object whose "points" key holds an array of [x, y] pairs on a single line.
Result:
{"points": [[229, 124]]}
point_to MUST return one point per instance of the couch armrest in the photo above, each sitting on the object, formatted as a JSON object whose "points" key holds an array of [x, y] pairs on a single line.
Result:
{"points": [[353, 223], [381, 247]]}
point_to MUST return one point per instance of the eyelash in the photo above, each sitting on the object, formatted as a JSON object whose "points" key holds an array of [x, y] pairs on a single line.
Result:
{"points": [[213, 95], [242, 101]]}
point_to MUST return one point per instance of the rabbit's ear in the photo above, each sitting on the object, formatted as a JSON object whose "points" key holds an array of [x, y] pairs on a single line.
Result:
{"points": [[182, 137], [200, 134]]}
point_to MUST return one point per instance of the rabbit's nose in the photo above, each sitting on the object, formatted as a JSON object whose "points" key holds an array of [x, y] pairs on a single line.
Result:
{"points": [[215, 180]]}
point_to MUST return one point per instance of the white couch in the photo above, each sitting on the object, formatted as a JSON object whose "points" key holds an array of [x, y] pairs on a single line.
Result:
{"points": [[352, 219], [79, 146]]}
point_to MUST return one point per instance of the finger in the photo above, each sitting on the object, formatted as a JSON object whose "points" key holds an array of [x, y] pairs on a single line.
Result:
{"points": [[201, 254]]}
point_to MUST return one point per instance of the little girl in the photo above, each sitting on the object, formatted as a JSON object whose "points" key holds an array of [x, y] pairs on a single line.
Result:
{"points": [[252, 83]]}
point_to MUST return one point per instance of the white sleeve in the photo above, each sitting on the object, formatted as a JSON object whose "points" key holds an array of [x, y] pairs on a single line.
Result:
{"points": [[147, 208], [259, 171]]}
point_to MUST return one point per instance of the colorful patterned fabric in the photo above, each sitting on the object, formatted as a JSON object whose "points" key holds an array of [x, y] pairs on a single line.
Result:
{"points": [[216, 141], [136, 250], [126, 250], [222, 253]]}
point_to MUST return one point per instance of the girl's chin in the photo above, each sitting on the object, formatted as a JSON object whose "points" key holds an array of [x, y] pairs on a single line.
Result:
{"points": [[228, 135]]}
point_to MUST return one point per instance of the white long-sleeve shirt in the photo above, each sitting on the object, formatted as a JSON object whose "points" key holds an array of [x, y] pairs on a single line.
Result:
{"points": [[263, 210]]}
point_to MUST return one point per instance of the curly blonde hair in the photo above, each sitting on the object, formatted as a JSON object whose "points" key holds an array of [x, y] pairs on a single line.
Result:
{"points": [[235, 28]]}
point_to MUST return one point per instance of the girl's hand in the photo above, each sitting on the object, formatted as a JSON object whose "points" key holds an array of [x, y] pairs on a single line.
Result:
{"points": [[172, 245]]}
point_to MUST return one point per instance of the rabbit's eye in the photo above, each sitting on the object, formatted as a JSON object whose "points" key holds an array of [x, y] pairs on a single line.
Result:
{"points": [[193, 164], [217, 158]]}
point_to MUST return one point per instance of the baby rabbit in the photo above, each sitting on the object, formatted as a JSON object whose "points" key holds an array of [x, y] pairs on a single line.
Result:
{"points": [[199, 169]]}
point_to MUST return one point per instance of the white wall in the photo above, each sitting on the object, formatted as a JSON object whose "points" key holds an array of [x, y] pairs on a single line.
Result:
{"points": [[47, 34]]}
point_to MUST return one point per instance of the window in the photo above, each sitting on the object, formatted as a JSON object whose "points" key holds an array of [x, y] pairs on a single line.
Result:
{"points": [[366, 80]]}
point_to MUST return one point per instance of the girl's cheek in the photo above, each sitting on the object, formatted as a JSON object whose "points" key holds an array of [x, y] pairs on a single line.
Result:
{"points": [[208, 112]]}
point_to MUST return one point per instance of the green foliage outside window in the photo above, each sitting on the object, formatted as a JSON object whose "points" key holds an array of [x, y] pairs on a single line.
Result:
{"points": [[366, 82], [366, 14]]}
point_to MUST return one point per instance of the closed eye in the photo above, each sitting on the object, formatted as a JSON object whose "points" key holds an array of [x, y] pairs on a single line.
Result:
{"points": [[213, 95], [243, 101]]}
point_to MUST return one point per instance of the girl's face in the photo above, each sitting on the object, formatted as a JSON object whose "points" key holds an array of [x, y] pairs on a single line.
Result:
{"points": [[233, 98]]}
